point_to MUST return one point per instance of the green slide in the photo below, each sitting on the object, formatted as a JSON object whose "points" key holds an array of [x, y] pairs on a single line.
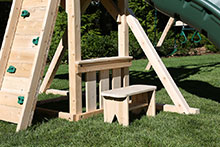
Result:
{"points": [[203, 15]]}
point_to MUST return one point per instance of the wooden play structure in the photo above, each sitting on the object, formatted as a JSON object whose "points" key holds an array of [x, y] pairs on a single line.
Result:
{"points": [[24, 52]]}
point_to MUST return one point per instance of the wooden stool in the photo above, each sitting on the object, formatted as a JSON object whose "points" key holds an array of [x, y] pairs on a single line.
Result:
{"points": [[117, 103]]}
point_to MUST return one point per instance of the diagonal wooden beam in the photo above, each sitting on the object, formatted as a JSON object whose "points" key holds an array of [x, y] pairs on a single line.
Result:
{"points": [[111, 7], [159, 67], [84, 5], [53, 67]]}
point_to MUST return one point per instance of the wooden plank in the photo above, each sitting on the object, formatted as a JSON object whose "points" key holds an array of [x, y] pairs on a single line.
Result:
{"points": [[104, 59], [9, 36], [91, 91], [23, 70], [88, 114], [34, 3], [103, 66], [139, 99], [67, 116], [166, 30], [122, 111], [84, 5], [15, 83], [39, 64], [163, 36], [128, 91], [54, 65], [9, 99], [151, 111], [37, 13], [10, 114], [29, 28], [24, 41], [123, 38], [73, 117], [116, 78], [56, 91], [74, 45], [172, 108], [111, 7], [158, 65], [125, 76], [103, 85], [22, 56]]}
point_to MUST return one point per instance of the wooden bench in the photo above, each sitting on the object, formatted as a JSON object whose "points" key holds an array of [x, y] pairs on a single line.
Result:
{"points": [[117, 102]]}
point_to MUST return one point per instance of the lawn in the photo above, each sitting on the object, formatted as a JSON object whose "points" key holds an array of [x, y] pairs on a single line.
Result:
{"points": [[198, 78]]}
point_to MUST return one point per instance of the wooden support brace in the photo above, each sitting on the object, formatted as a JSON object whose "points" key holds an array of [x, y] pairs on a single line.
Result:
{"points": [[74, 46], [111, 7], [84, 5], [158, 65], [53, 68]]}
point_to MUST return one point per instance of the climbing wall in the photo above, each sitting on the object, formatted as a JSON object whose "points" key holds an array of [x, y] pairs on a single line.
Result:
{"points": [[23, 56]]}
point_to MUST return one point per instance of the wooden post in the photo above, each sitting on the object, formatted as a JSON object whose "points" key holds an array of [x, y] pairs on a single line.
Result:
{"points": [[9, 37], [74, 44], [123, 38]]}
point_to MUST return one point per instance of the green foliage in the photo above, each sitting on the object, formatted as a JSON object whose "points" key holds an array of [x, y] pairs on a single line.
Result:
{"points": [[96, 45]]}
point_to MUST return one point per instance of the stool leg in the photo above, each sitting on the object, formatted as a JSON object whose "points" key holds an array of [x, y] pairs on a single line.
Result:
{"points": [[122, 111], [109, 110], [151, 111]]}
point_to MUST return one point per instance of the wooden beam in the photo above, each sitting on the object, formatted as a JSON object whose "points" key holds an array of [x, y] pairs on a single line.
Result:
{"points": [[84, 5], [103, 85], [111, 7], [163, 36], [123, 38], [54, 65], [39, 62], [116, 78], [91, 91], [103, 64], [158, 65], [70, 117], [9, 36], [56, 91], [74, 48], [173, 108]]}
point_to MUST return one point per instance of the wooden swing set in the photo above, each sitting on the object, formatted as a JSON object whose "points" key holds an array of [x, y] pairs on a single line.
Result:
{"points": [[13, 53]]}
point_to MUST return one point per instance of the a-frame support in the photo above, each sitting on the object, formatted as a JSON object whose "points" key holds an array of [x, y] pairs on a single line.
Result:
{"points": [[120, 13]]}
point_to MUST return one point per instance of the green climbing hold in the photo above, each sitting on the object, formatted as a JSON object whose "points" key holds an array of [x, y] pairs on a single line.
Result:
{"points": [[20, 100], [11, 69], [35, 41], [25, 13]]}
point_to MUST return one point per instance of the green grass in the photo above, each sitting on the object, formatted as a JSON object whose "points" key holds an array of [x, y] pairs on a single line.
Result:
{"points": [[198, 78]]}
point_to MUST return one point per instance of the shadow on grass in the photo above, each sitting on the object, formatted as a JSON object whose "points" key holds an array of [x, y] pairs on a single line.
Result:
{"points": [[198, 88]]}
